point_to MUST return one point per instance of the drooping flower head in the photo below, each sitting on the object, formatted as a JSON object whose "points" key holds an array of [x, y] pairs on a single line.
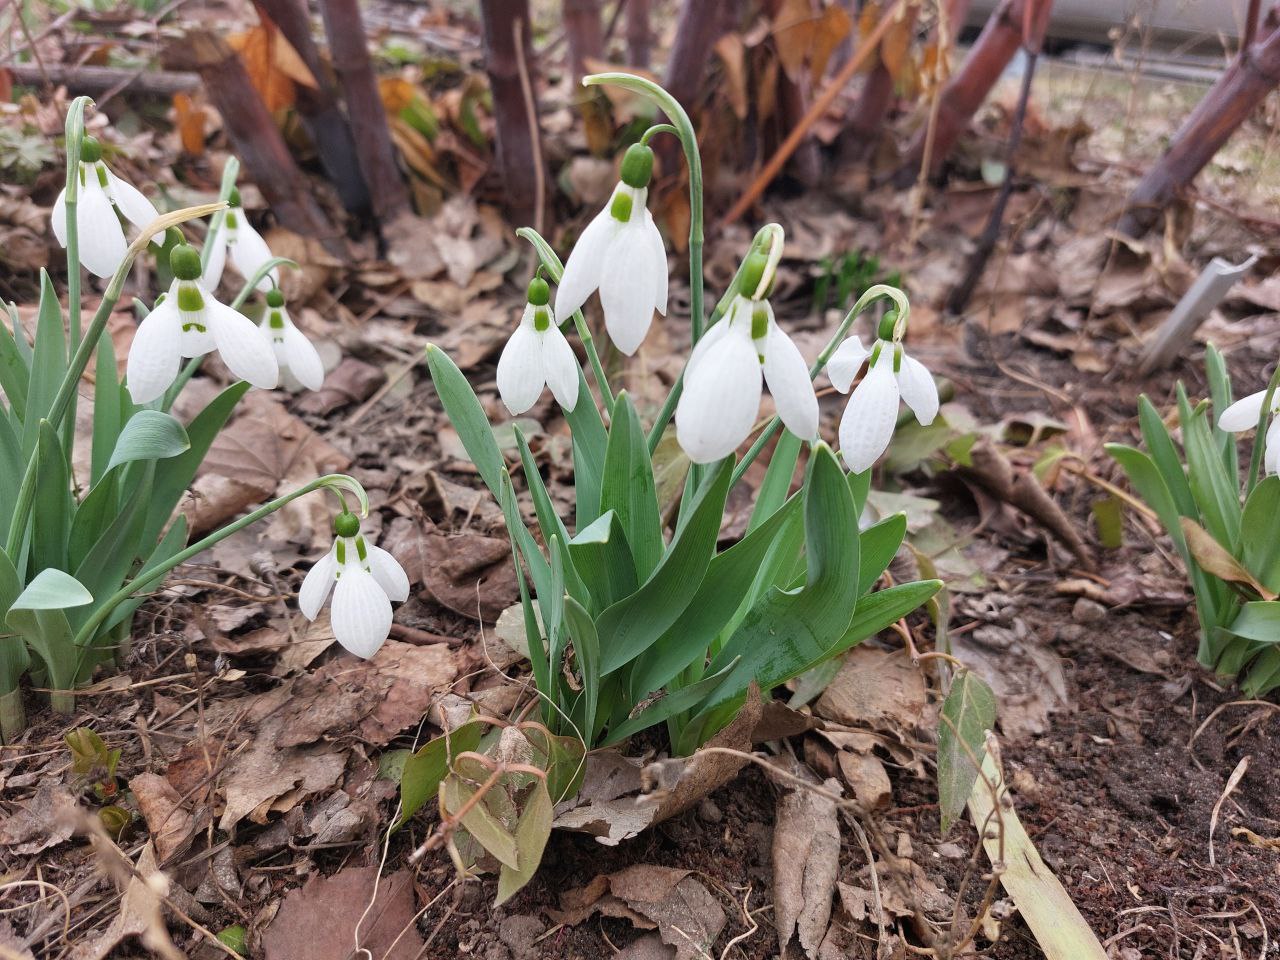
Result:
{"points": [[868, 421], [364, 580], [190, 322], [537, 355], [1244, 415], [620, 253], [727, 369], [295, 354], [248, 251], [102, 199]]}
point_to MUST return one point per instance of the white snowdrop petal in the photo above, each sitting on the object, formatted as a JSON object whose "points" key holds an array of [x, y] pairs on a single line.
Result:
{"points": [[212, 275], [626, 288], [1271, 453], [1243, 414], [582, 269], [867, 425], [243, 348], [300, 357], [520, 374], [361, 613], [101, 238], [58, 218], [154, 354], [787, 375], [560, 367], [721, 400], [132, 202], [658, 254], [707, 345], [846, 362], [388, 573], [317, 584], [249, 252], [919, 392]]}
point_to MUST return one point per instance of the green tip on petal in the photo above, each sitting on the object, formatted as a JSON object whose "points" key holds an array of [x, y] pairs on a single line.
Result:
{"points": [[887, 323], [346, 524], [759, 321], [637, 165], [184, 261], [90, 150], [275, 298], [233, 198], [539, 292]]}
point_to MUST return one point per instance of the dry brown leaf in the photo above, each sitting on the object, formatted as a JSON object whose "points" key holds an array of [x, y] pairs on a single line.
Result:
{"points": [[274, 67], [879, 689], [687, 917], [806, 862], [161, 806], [833, 26], [325, 919], [45, 820], [470, 573], [1025, 675], [733, 54], [866, 775], [190, 119], [140, 913]]}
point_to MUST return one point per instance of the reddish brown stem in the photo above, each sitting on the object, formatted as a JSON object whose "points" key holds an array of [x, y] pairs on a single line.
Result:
{"points": [[639, 33], [349, 48], [517, 142], [586, 39], [874, 103], [1238, 92], [967, 90], [318, 107], [253, 133]]}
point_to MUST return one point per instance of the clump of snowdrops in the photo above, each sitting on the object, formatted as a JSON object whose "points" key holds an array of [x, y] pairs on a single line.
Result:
{"points": [[639, 622], [1223, 525], [82, 546]]}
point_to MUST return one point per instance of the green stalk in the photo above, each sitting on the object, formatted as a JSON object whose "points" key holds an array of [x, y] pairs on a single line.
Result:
{"points": [[547, 257], [229, 173], [683, 128], [1260, 438], [900, 327], [152, 575], [13, 717], [67, 389], [74, 134]]}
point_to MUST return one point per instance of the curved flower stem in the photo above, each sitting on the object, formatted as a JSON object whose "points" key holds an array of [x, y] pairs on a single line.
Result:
{"points": [[547, 257], [67, 389], [1260, 438], [899, 329], [151, 575], [655, 130], [689, 140], [74, 141]]}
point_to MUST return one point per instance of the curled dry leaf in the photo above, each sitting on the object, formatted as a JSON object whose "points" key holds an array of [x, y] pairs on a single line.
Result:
{"points": [[167, 819], [140, 909], [877, 689], [806, 862], [45, 820]]}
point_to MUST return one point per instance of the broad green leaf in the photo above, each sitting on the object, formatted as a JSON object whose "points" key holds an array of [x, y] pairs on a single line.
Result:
{"points": [[48, 364], [1215, 494], [628, 488], [879, 545], [14, 658], [174, 475], [12, 465], [1264, 674], [1258, 621], [1108, 517], [548, 520], [52, 590], [538, 651], [423, 770], [668, 705], [532, 832], [967, 714], [39, 615], [589, 442], [1220, 392], [878, 610], [1164, 457], [631, 626], [723, 591], [109, 411], [149, 435], [1259, 534], [586, 647], [108, 562], [563, 757], [776, 485], [174, 540], [95, 513], [484, 827], [467, 416], [602, 558], [52, 507], [1149, 483], [15, 375]]}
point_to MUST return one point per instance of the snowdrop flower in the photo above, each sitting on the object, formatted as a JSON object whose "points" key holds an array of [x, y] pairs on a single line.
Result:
{"points": [[867, 425], [189, 322], [620, 254], [368, 579], [249, 252], [101, 200], [295, 354], [1244, 415], [723, 381], [536, 355]]}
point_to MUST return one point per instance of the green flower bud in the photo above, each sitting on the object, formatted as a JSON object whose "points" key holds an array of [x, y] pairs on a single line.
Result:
{"points": [[637, 165], [346, 524], [173, 237], [184, 261], [90, 150], [753, 268], [275, 298], [539, 292], [887, 323], [233, 199]]}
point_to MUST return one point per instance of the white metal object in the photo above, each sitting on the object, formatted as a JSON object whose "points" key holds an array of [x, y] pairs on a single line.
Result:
{"points": [[1209, 290]]}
